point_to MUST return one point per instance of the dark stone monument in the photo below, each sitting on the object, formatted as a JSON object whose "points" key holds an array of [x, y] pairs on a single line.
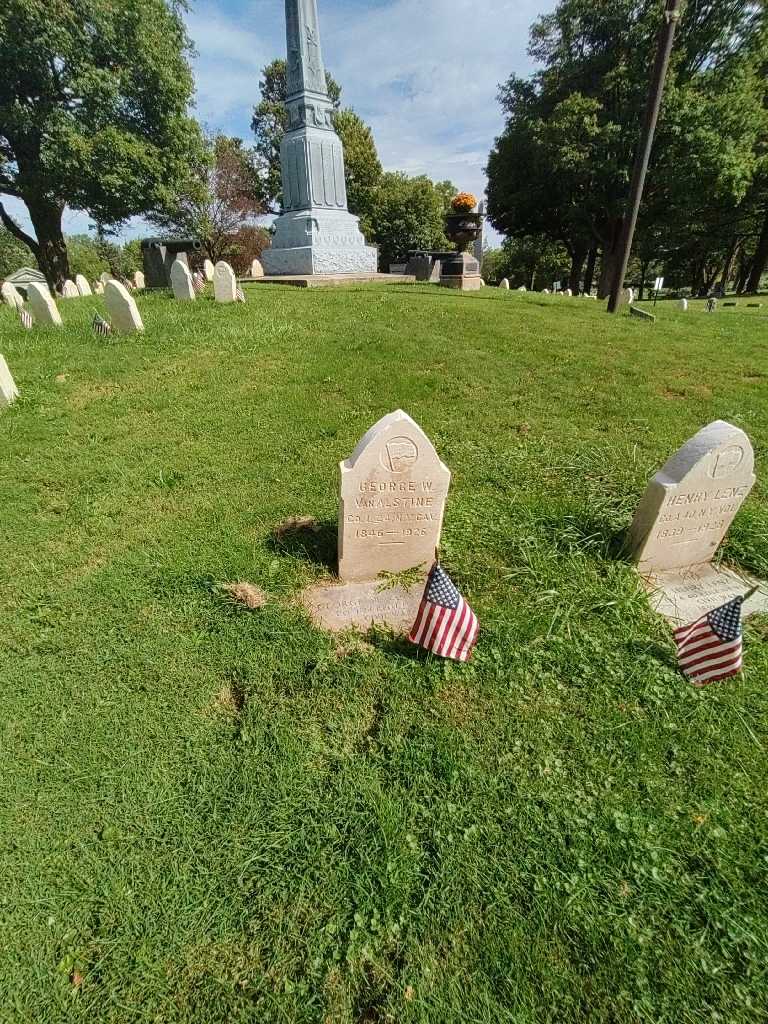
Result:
{"points": [[158, 255]]}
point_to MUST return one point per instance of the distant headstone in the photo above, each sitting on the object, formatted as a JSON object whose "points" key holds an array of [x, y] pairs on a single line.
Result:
{"points": [[83, 287], [181, 282], [683, 305], [522, 288], [8, 390], [69, 290], [224, 282], [569, 292], [482, 283], [504, 283], [44, 308], [684, 517], [258, 271], [105, 276], [122, 308], [545, 291], [138, 281], [630, 295], [393, 493], [642, 314], [208, 269], [98, 288], [10, 295]]}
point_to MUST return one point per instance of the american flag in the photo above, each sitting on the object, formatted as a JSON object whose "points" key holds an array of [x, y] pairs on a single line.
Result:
{"points": [[26, 318], [711, 648], [239, 295], [101, 326], [445, 623], [198, 282]]}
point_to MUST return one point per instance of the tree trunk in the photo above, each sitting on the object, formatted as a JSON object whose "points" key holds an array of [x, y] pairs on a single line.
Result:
{"points": [[759, 260], [52, 249], [611, 259], [728, 268], [589, 273], [578, 258], [643, 275]]}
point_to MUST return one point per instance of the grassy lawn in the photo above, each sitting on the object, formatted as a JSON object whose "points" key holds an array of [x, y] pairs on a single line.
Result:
{"points": [[213, 815]]}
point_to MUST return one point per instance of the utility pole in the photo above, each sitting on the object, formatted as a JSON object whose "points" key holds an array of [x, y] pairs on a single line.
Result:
{"points": [[663, 53]]}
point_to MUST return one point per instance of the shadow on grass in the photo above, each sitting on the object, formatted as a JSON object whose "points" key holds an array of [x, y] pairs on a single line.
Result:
{"points": [[313, 540]]}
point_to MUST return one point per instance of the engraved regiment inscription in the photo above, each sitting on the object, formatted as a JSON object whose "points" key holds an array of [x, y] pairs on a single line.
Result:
{"points": [[393, 492], [692, 501]]}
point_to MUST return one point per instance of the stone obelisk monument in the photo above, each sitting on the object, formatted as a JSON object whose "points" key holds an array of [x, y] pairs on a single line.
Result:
{"points": [[316, 234]]}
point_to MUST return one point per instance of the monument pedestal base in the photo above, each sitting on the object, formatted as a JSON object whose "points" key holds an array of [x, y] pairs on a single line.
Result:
{"points": [[684, 595], [461, 271], [318, 241], [341, 606]]}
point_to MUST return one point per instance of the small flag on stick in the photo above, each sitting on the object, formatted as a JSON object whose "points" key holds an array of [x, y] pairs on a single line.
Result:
{"points": [[711, 647], [101, 326], [239, 295], [198, 282], [445, 624], [26, 318]]}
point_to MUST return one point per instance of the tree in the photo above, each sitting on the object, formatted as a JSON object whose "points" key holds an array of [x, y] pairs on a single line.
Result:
{"points": [[13, 254], [218, 199], [270, 123], [562, 164], [93, 114], [408, 213]]}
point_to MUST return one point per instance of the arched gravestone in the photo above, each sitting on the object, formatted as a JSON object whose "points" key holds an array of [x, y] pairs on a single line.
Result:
{"points": [[44, 309], [393, 492], [256, 269], [122, 307], [11, 296], [224, 282], [139, 282], [181, 282], [684, 517], [8, 390], [83, 287], [208, 269], [504, 284], [69, 290]]}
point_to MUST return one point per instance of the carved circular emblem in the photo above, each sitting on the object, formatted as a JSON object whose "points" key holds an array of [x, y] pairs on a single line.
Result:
{"points": [[727, 461], [399, 455]]}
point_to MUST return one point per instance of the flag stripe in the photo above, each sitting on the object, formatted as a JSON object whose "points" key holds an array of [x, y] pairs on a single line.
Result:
{"points": [[700, 648], [720, 658], [445, 624]]}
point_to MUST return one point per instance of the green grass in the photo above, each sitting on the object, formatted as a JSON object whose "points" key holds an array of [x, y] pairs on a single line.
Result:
{"points": [[209, 815]]}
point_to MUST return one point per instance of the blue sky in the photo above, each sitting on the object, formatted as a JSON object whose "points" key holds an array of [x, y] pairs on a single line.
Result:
{"points": [[423, 75]]}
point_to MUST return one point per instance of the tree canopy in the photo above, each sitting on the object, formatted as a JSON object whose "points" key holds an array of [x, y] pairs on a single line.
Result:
{"points": [[561, 167], [94, 115]]}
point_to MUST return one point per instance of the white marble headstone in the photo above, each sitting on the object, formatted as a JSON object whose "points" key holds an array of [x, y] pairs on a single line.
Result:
{"points": [[684, 517], [224, 282], [208, 269], [98, 288], [181, 282], [504, 283], [69, 290], [122, 307], [11, 295], [83, 287], [393, 493], [683, 305], [8, 390], [569, 293], [256, 269], [44, 309], [138, 281]]}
